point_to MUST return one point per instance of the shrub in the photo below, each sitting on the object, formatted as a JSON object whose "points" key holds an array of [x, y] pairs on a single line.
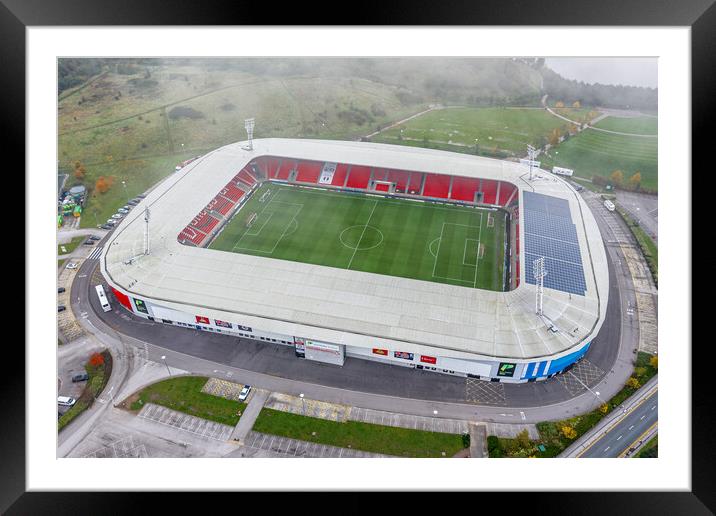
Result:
{"points": [[96, 360]]}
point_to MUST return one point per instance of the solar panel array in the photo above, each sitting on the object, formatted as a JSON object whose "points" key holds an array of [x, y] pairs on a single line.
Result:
{"points": [[550, 233]]}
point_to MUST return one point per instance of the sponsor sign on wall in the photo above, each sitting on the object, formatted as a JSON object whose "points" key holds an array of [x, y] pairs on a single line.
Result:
{"points": [[427, 359], [244, 328], [506, 369], [141, 306], [201, 319], [300, 345], [325, 352], [403, 354], [378, 351], [223, 324]]}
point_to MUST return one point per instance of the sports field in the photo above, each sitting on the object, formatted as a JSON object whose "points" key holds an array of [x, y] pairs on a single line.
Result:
{"points": [[432, 242]]}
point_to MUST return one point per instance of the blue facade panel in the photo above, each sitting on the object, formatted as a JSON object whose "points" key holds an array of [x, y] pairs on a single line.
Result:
{"points": [[529, 370], [561, 363]]}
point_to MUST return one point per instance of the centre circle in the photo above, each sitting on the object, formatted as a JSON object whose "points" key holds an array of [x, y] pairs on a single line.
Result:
{"points": [[361, 237]]}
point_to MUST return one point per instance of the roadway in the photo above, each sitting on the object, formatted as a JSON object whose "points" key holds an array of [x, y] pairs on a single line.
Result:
{"points": [[381, 386]]}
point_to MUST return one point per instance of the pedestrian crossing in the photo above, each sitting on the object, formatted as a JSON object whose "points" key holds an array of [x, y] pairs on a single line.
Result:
{"points": [[94, 255]]}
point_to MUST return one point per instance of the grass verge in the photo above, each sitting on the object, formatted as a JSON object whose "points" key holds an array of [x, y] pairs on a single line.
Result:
{"points": [[98, 377], [648, 248], [401, 442], [70, 246], [556, 436], [650, 450], [184, 395]]}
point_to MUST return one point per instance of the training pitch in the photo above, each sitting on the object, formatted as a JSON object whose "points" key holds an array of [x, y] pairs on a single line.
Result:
{"points": [[443, 243]]}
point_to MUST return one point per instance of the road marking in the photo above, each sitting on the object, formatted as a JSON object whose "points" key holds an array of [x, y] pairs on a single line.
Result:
{"points": [[642, 417], [619, 437], [632, 426], [607, 448], [522, 415], [652, 408]]}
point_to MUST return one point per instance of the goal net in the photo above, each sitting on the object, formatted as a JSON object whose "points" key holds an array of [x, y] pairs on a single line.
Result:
{"points": [[251, 219]]}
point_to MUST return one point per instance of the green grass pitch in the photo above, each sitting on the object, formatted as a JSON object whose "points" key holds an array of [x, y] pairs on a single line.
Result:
{"points": [[397, 237]]}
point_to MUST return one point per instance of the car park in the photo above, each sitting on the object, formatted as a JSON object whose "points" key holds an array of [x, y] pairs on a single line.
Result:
{"points": [[117, 216], [123, 211], [106, 226], [88, 242], [80, 377], [142, 196], [72, 265], [66, 401], [134, 202], [244, 393], [111, 222], [95, 238], [61, 308], [127, 207]]}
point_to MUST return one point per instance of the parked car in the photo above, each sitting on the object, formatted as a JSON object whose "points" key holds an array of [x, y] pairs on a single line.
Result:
{"points": [[106, 226], [72, 265], [95, 238], [80, 377], [123, 211], [127, 207], [142, 196], [244, 392], [60, 290], [88, 242], [134, 202], [117, 216], [61, 308], [111, 222], [66, 401]]}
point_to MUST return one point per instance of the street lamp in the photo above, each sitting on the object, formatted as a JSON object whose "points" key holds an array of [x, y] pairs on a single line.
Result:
{"points": [[303, 403], [124, 184], [164, 358]]}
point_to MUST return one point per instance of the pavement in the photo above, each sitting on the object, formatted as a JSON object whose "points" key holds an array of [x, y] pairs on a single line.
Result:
{"points": [[278, 446], [624, 430], [248, 417], [478, 441]]}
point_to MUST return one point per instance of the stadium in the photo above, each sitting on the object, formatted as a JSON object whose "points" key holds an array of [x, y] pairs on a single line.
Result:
{"points": [[409, 256]]}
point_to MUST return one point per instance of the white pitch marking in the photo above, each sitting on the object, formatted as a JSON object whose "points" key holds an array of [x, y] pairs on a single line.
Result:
{"points": [[361, 235]]}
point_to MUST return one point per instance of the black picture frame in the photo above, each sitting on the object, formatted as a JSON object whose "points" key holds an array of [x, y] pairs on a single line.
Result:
{"points": [[17, 15]]}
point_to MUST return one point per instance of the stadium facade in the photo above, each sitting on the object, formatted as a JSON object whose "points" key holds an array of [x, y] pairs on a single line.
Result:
{"points": [[327, 314]]}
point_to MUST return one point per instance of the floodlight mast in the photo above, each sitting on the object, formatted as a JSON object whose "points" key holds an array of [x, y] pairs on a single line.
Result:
{"points": [[249, 126], [146, 230], [531, 153], [539, 273]]}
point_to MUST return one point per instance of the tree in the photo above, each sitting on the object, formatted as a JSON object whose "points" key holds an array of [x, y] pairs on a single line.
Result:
{"points": [[79, 170], [576, 104], [604, 408], [635, 180], [96, 360], [633, 383], [569, 432], [523, 438], [654, 362], [554, 137], [617, 177], [559, 104], [103, 183]]}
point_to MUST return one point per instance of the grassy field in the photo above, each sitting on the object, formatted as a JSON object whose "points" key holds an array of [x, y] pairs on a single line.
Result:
{"points": [[636, 125], [594, 153], [184, 395], [497, 130], [432, 242], [136, 128], [388, 440], [70, 246]]}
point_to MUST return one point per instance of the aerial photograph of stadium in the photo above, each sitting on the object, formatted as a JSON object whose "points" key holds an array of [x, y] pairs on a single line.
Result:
{"points": [[357, 257]]}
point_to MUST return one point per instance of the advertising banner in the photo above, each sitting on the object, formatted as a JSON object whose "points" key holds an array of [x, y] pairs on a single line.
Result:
{"points": [[201, 319], [506, 369], [300, 345], [402, 354], [428, 360], [244, 328], [325, 352], [378, 351], [141, 307], [223, 324]]}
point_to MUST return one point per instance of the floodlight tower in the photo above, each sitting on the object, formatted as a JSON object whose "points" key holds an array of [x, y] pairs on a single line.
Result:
{"points": [[539, 273], [249, 126], [531, 153], [146, 230]]}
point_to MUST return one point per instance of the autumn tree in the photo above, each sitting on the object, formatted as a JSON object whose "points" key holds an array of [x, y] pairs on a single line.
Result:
{"points": [[604, 408], [96, 360], [79, 172], [569, 432], [654, 362], [633, 383], [554, 137], [617, 177], [559, 104], [101, 185], [576, 104], [635, 180]]}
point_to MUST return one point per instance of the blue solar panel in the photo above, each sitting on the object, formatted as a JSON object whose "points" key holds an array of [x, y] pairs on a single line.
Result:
{"points": [[550, 233]]}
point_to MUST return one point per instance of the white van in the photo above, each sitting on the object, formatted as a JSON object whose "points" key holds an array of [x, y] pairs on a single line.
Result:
{"points": [[609, 205], [66, 401]]}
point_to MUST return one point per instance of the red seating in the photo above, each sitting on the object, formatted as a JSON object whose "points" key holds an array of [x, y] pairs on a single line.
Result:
{"points": [[400, 178], [220, 204], [506, 192], [233, 192], [246, 177], [358, 177], [204, 222], [339, 176], [192, 235], [380, 174], [309, 171], [286, 166], [416, 178], [489, 190], [464, 188], [436, 185]]}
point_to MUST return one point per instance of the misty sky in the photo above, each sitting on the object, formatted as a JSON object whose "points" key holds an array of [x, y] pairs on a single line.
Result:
{"points": [[628, 71]]}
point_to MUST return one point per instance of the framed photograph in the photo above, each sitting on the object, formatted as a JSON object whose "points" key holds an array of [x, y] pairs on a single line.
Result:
{"points": [[476, 186]]}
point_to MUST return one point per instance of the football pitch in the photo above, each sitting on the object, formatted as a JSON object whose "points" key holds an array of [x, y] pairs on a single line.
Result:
{"points": [[433, 242]]}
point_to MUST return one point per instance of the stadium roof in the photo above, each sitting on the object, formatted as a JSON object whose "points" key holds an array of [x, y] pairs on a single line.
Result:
{"points": [[352, 307]]}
